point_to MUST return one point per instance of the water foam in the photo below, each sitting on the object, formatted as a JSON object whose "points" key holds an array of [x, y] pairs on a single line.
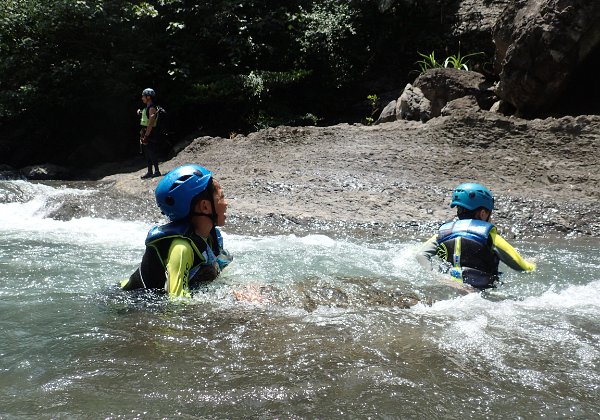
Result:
{"points": [[26, 219], [287, 257], [575, 297], [519, 338]]}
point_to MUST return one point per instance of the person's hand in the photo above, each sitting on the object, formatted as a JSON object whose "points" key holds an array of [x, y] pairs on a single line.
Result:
{"points": [[252, 293], [139, 112]]}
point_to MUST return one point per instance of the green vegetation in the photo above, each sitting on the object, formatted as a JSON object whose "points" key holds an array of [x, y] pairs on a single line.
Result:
{"points": [[456, 61], [373, 102], [71, 71], [428, 62]]}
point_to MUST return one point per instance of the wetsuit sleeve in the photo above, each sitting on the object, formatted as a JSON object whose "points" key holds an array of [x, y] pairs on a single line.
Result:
{"points": [[426, 251], [179, 263], [508, 255]]}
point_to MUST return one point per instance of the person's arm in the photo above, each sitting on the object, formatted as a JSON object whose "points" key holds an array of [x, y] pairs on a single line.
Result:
{"points": [[151, 120], [508, 255], [179, 263], [426, 251]]}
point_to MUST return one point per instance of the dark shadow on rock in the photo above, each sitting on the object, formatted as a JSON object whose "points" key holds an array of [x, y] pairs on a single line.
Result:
{"points": [[582, 90], [541, 46]]}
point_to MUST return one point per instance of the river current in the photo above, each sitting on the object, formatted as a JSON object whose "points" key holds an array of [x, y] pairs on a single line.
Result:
{"points": [[297, 327]]}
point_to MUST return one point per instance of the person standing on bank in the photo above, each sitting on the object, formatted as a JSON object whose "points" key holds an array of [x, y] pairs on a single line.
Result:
{"points": [[149, 133]]}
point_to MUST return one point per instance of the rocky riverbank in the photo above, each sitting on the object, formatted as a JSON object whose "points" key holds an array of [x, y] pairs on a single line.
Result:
{"points": [[388, 180]]}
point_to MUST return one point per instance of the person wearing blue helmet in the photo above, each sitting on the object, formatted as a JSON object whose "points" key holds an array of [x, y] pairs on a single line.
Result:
{"points": [[188, 251], [149, 132], [469, 246]]}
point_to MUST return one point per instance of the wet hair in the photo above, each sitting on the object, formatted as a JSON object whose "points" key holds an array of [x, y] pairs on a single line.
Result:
{"points": [[463, 213]]}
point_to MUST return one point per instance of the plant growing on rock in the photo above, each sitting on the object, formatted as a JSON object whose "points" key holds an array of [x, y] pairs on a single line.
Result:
{"points": [[459, 61], [455, 61], [428, 62]]}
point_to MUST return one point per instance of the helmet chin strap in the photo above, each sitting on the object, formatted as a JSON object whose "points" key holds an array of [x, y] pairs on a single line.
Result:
{"points": [[212, 216], [209, 215]]}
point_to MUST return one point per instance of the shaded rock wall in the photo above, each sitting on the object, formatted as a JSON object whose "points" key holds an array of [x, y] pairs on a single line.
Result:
{"points": [[540, 44]]}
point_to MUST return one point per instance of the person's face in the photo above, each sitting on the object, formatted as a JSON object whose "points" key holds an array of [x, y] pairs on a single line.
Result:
{"points": [[203, 206], [145, 99], [220, 203]]}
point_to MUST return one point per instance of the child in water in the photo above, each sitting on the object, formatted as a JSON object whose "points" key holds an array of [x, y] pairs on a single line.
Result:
{"points": [[470, 247], [188, 250]]}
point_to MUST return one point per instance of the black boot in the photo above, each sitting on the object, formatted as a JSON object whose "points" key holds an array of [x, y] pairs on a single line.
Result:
{"points": [[149, 172]]}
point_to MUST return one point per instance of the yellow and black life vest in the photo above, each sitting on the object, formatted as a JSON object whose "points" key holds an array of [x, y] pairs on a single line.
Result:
{"points": [[146, 116], [468, 247]]}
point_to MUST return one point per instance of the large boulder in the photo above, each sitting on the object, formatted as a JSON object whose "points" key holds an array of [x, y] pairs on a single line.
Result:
{"points": [[413, 105], [539, 45], [441, 86], [444, 89]]}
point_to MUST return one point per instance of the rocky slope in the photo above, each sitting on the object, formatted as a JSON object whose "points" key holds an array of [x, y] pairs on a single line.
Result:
{"points": [[393, 179]]}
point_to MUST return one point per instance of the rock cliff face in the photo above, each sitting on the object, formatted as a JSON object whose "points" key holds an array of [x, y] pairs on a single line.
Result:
{"points": [[540, 46], [475, 17], [546, 56]]}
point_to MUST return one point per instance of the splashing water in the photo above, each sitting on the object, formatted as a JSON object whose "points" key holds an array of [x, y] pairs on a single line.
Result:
{"points": [[326, 333]]}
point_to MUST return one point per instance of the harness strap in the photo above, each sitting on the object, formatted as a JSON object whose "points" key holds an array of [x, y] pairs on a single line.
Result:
{"points": [[142, 277], [456, 272], [456, 258]]}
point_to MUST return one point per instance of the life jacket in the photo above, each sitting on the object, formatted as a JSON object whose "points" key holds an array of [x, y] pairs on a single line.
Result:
{"points": [[468, 247], [209, 256], [146, 115]]}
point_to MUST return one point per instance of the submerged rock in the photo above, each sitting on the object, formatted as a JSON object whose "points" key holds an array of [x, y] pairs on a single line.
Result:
{"points": [[8, 172], [46, 171]]}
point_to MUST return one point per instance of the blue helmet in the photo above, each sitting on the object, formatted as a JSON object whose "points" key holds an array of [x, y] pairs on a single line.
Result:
{"points": [[175, 192], [149, 92], [472, 196]]}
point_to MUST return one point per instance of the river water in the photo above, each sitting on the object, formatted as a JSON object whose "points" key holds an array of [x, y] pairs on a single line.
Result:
{"points": [[297, 327]]}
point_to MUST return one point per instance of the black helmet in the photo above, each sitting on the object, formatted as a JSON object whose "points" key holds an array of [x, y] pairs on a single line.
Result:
{"points": [[149, 92]]}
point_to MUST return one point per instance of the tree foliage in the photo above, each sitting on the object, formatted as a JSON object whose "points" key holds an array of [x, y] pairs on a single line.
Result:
{"points": [[71, 71]]}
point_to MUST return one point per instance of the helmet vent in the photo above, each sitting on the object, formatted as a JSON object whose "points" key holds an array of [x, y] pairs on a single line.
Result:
{"points": [[170, 201], [179, 182]]}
